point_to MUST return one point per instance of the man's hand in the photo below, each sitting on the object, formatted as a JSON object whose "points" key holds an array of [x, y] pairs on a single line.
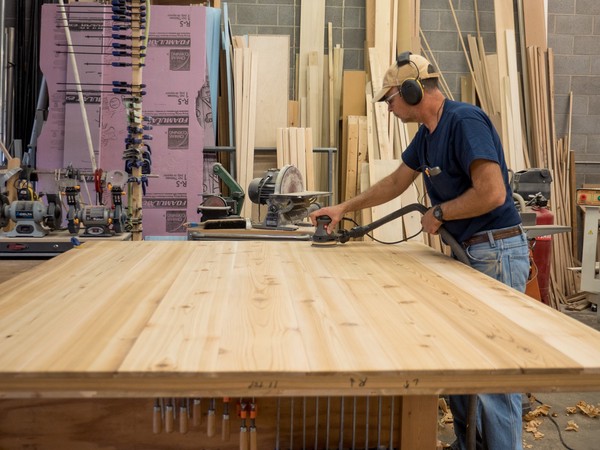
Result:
{"points": [[429, 223], [336, 213]]}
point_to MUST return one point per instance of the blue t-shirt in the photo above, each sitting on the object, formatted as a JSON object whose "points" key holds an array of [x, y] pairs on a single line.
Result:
{"points": [[463, 135]]}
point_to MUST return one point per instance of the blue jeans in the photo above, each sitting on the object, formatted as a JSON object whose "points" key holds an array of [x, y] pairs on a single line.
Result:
{"points": [[499, 416]]}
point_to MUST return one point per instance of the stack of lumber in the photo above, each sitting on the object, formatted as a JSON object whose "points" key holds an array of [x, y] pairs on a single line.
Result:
{"points": [[328, 109], [335, 68], [545, 150], [392, 26], [295, 147], [258, 97], [260, 69], [496, 81], [352, 104], [319, 85], [563, 281], [577, 302], [523, 122], [272, 84]]}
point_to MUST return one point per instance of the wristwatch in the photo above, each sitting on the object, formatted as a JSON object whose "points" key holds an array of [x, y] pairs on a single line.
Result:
{"points": [[438, 213]]}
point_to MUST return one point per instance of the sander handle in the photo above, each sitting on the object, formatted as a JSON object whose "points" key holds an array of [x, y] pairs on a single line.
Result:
{"points": [[320, 235]]}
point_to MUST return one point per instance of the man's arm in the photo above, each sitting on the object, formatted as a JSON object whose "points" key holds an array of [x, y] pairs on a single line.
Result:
{"points": [[486, 193]]}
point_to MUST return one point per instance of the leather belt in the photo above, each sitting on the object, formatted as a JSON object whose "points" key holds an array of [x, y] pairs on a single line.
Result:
{"points": [[496, 235]]}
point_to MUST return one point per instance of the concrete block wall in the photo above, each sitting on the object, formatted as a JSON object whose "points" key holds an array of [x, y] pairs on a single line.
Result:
{"points": [[283, 17], [573, 34]]}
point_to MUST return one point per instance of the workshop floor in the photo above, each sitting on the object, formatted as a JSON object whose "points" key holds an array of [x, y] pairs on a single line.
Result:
{"points": [[548, 436]]}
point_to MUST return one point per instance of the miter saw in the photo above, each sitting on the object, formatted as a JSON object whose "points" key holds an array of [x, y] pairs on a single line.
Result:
{"points": [[282, 190]]}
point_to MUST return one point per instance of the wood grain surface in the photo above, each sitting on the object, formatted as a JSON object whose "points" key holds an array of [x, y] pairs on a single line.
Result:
{"points": [[141, 319]]}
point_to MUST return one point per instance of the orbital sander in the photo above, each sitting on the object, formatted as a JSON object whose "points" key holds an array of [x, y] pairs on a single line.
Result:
{"points": [[321, 236]]}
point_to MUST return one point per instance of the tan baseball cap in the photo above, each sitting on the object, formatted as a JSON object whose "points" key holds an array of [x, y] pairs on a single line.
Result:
{"points": [[396, 74]]}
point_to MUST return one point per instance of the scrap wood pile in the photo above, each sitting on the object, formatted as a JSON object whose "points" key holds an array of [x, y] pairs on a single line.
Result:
{"points": [[534, 418]]}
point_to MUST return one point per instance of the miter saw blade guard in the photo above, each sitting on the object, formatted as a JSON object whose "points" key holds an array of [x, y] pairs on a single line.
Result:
{"points": [[282, 190]]}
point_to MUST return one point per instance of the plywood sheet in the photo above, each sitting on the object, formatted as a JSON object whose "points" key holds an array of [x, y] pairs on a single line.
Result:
{"points": [[535, 20], [409, 19], [273, 54]]}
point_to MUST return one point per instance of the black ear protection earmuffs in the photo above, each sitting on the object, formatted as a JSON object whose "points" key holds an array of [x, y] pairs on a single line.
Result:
{"points": [[411, 89]]}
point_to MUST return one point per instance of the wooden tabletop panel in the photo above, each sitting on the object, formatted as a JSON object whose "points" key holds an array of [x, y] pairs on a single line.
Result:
{"points": [[133, 319]]}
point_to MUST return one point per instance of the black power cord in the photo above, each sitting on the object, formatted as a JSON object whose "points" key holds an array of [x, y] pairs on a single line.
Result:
{"points": [[347, 219], [458, 252]]}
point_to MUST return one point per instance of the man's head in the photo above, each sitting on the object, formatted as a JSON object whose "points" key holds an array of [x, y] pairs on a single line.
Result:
{"points": [[406, 74]]}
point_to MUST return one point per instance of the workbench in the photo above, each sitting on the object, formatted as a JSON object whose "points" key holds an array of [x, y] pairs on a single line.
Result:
{"points": [[54, 243], [126, 321]]}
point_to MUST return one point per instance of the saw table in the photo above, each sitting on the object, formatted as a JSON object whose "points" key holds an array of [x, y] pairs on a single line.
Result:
{"points": [[259, 319]]}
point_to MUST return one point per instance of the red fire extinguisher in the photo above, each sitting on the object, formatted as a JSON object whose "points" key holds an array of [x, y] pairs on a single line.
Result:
{"points": [[542, 246]]}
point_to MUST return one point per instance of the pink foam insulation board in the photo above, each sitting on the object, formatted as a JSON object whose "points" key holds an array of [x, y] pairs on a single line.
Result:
{"points": [[84, 32], [177, 100], [51, 140]]}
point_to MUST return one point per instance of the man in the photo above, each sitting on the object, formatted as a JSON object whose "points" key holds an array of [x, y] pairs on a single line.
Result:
{"points": [[460, 153]]}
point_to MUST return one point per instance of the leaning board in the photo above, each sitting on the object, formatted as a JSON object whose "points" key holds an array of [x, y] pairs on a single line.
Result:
{"points": [[273, 53]]}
